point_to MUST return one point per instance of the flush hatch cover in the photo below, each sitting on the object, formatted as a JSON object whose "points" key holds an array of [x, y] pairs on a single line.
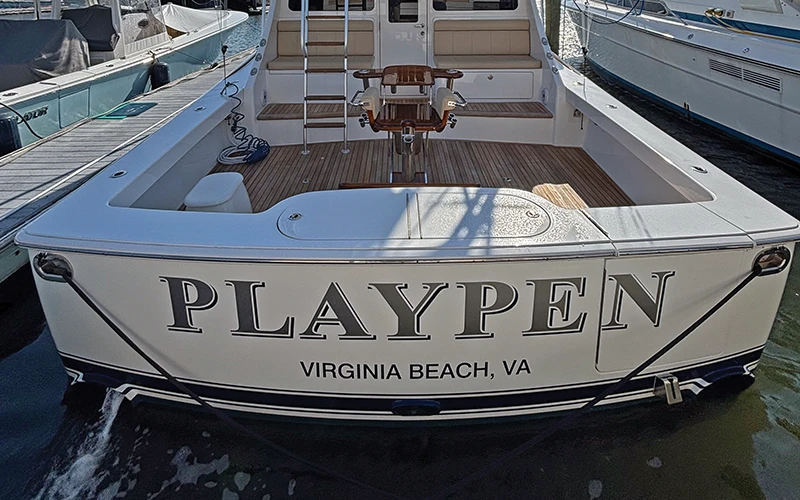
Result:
{"points": [[358, 214], [479, 213]]}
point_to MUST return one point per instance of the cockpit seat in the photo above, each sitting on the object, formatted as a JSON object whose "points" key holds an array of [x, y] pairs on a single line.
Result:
{"points": [[321, 62], [488, 62], [360, 45], [483, 44], [426, 113], [405, 116]]}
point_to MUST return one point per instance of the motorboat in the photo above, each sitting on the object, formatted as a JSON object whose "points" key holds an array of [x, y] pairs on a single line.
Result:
{"points": [[409, 212], [84, 59], [732, 65]]}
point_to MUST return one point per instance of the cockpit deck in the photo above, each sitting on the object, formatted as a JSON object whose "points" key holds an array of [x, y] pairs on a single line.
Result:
{"points": [[567, 177]]}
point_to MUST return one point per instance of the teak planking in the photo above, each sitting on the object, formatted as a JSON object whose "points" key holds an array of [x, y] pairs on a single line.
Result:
{"points": [[567, 177], [294, 111]]}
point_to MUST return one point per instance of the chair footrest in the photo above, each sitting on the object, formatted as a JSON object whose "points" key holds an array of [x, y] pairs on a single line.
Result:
{"points": [[325, 125], [325, 98], [365, 185], [316, 43]]}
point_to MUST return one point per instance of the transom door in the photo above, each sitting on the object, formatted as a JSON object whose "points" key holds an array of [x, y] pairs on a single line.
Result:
{"points": [[404, 31]]}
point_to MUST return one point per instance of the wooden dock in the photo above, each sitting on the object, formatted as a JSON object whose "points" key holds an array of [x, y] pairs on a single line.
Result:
{"points": [[35, 177]]}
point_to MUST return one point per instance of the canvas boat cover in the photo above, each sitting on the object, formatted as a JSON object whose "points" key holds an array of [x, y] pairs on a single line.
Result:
{"points": [[95, 24], [37, 50], [185, 20]]}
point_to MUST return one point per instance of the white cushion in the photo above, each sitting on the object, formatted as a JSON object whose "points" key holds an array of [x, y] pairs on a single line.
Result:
{"points": [[316, 62], [487, 62], [220, 192]]}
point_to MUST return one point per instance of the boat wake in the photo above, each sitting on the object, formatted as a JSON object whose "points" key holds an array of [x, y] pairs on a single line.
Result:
{"points": [[75, 478]]}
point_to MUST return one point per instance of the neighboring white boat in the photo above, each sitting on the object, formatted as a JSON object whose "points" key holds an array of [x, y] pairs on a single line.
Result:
{"points": [[82, 62], [732, 63], [517, 263]]}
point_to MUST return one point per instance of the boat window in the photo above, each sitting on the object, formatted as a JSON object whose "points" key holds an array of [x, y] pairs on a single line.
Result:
{"points": [[654, 8], [771, 6], [650, 7], [458, 5], [332, 5], [403, 11]]}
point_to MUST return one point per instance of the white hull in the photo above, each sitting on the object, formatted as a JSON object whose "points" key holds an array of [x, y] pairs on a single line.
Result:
{"points": [[504, 363], [697, 70]]}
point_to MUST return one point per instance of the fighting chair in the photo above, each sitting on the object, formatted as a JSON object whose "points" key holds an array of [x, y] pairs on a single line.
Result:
{"points": [[406, 118]]}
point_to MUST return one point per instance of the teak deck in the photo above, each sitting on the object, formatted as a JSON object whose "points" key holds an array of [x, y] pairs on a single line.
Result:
{"points": [[294, 111], [567, 177]]}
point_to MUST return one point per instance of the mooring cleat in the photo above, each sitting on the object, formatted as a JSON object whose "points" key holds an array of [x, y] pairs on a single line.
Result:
{"points": [[669, 386]]}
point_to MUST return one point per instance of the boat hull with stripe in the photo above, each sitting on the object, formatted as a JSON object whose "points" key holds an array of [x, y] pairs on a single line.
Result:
{"points": [[742, 84]]}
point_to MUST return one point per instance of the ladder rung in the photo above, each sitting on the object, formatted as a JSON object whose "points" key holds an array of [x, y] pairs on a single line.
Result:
{"points": [[325, 70], [324, 125], [326, 18], [324, 44], [325, 98]]}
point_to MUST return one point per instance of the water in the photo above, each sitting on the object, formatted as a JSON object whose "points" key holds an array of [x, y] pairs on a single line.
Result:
{"points": [[746, 446]]}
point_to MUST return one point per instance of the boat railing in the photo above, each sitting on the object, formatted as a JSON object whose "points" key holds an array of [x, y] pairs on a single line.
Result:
{"points": [[717, 17]]}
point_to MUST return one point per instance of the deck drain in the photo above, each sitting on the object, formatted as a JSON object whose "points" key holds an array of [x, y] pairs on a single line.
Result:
{"points": [[507, 179], [295, 216], [305, 181], [118, 173]]}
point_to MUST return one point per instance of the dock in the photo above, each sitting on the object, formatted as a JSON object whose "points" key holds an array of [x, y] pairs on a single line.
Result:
{"points": [[34, 178]]}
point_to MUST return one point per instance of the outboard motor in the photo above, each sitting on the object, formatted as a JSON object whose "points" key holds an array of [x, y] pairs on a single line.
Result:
{"points": [[9, 135], [159, 74]]}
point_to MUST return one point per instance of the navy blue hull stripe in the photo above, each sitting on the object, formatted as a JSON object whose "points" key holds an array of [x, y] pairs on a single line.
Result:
{"points": [[111, 377], [763, 29]]}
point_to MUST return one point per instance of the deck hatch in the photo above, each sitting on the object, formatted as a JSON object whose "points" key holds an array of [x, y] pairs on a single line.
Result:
{"points": [[358, 214], [479, 214]]}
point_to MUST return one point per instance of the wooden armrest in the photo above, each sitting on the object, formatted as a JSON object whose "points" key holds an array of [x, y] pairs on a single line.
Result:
{"points": [[366, 74], [450, 74]]}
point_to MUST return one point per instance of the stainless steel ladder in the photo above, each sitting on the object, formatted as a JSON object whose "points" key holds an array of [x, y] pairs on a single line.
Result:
{"points": [[306, 43]]}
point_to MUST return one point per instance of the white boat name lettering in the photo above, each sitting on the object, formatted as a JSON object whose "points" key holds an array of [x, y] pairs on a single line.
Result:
{"points": [[551, 307]]}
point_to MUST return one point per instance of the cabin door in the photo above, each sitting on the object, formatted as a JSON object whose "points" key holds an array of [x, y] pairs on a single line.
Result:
{"points": [[404, 32]]}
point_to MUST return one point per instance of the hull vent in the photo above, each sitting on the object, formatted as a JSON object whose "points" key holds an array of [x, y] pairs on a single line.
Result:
{"points": [[767, 81], [725, 68], [746, 75]]}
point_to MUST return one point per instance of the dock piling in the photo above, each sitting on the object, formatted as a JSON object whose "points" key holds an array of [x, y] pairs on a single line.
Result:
{"points": [[552, 20]]}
